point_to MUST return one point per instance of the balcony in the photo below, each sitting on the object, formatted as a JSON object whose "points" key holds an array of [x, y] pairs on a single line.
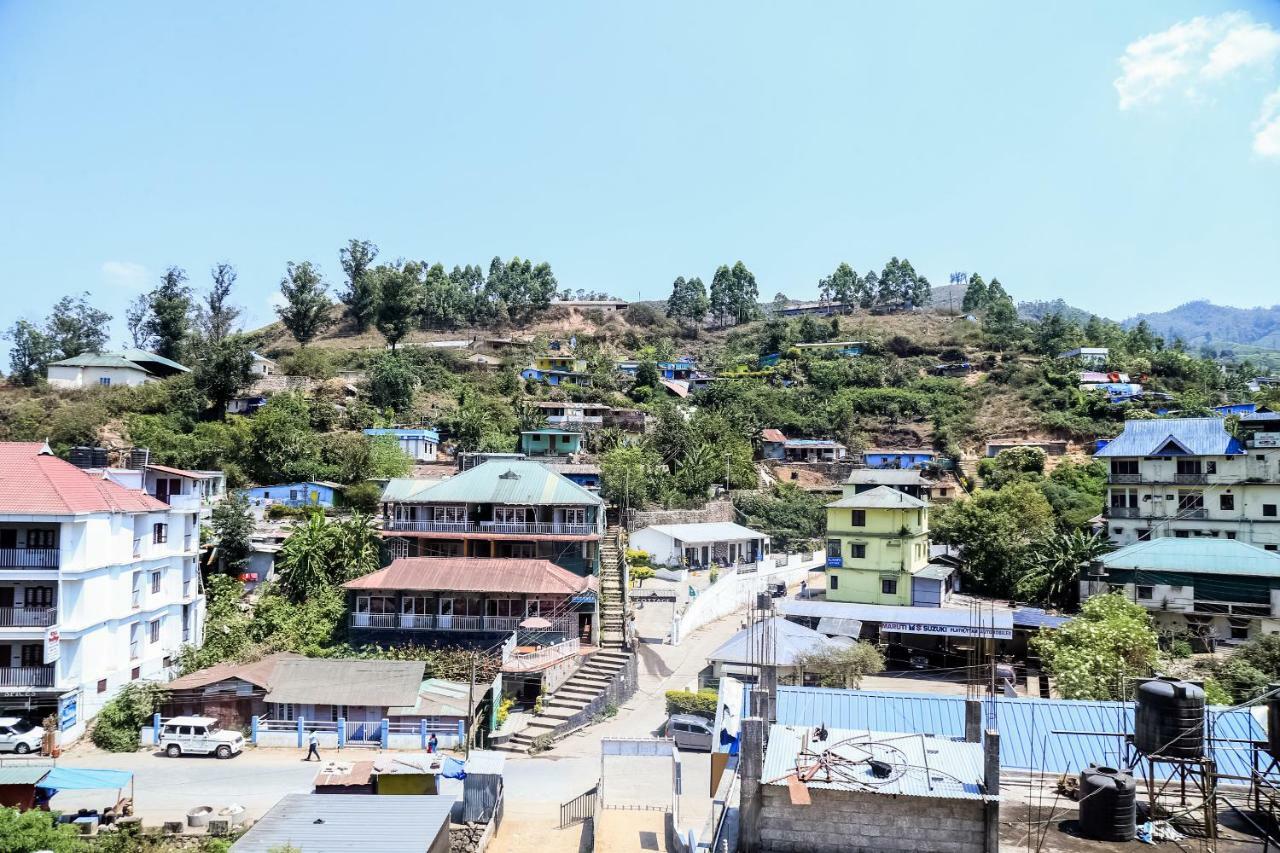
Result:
{"points": [[542, 658], [1124, 512], [26, 676], [1190, 478], [182, 502], [1125, 479], [28, 558], [575, 420], [495, 624], [494, 527], [28, 617], [1192, 512]]}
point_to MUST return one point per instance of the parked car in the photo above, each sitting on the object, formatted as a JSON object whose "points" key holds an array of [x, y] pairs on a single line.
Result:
{"points": [[690, 731], [199, 736], [19, 735], [778, 590]]}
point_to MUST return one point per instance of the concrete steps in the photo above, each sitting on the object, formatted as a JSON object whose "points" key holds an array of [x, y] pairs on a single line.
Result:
{"points": [[580, 690]]}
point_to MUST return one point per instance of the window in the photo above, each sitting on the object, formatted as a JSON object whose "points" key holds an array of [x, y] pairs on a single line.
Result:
{"points": [[1144, 535], [510, 514], [833, 582], [1231, 534], [283, 711], [135, 635], [1270, 547], [39, 538], [159, 534], [833, 547], [1146, 593], [1269, 510], [449, 514], [135, 673], [338, 712], [1239, 628], [524, 550], [33, 654], [858, 552], [1124, 468], [858, 518], [104, 380], [1182, 534], [137, 589], [888, 586], [1226, 501], [155, 583], [1190, 501], [1117, 530], [575, 515], [102, 685], [155, 631], [1211, 467]]}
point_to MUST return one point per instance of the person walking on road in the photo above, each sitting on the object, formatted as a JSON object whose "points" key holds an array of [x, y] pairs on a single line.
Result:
{"points": [[313, 746], [433, 743]]}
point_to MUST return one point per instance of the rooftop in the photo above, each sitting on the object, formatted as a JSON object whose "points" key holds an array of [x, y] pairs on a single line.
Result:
{"points": [[998, 622], [35, 482], [340, 823], [474, 574], [1201, 555], [139, 358], [707, 531], [336, 681], [1173, 437], [773, 436], [887, 477], [881, 497], [509, 481], [256, 672], [406, 432], [790, 642], [438, 697], [407, 489]]}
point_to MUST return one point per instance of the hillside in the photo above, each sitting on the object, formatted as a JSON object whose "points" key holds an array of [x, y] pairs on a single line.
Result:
{"points": [[1201, 323]]}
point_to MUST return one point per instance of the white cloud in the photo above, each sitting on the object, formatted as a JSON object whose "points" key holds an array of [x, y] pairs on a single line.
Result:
{"points": [[126, 275], [1266, 130], [1247, 45]]}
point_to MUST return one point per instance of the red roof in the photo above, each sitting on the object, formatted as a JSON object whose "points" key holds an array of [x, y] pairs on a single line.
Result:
{"points": [[178, 472], [35, 482], [773, 435], [472, 574]]}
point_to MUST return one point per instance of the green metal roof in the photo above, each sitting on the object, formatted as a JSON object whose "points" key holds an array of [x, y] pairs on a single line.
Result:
{"points": [[19, 775], [550, 431], [132, 357], [881, 497], [508, 481], [406, 489], [1201, 556]]}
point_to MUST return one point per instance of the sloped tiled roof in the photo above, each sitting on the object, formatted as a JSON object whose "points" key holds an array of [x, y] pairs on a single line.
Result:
{"points": [[35, 482], [881, 497], [1189, 436], [474, 574], [774, 436], [510, 481]]}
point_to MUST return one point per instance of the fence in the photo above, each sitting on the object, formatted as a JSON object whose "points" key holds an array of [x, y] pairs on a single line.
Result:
{"points": [[522, 662], [338, 734], [580, 809], [733, 590]]}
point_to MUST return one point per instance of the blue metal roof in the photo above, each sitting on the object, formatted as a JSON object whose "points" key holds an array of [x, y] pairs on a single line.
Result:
{"points": [[420, 432], [1034, 617], [1051, 735], [1173, 437]]}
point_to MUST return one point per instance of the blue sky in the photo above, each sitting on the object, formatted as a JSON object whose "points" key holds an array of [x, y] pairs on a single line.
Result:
{"points": [[1123, 156]]}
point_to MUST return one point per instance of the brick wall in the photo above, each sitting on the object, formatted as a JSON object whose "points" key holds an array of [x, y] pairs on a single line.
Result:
{"points": [[851, 822], [718, 510]]}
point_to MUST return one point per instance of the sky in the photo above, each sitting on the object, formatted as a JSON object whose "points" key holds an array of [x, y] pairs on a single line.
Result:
{"points": [[1122, 156]]}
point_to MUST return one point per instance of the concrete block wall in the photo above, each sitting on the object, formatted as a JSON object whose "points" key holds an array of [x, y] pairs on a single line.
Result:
{"points": [[855, 822]]}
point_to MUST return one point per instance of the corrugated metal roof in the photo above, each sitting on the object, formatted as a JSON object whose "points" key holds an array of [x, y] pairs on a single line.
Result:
{"points": [[473, 574], [438, 697], [510, 481], [486, 762], [936, 572], [881, 497], [407, 489], [887, 477], [942, 616], [1193, 436], [1034, 617], [340, 823], [707, 531], [813, 442], [255, 672], [1053, 735], [774, 436], [24, 775], [791, 641], [320, 681], [420, 432], [1201, 556], [551, 431], [920, 766]]}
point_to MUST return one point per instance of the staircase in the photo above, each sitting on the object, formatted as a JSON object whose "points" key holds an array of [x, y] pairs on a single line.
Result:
{"points": [[612, 599], [583, 687]]}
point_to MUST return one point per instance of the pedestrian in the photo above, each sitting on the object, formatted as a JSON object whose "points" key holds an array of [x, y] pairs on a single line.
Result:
{"points": [[804, 589], [313, 746], [433, 743]]}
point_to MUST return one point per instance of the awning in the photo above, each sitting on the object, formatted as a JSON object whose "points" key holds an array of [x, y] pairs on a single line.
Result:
{"points": [[81, 779], [835, 626]]}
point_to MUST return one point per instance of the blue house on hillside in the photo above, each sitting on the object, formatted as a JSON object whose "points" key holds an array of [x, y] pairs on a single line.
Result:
{"points": [[419, 443], [882, 458], [312, 493], [550, 442]]}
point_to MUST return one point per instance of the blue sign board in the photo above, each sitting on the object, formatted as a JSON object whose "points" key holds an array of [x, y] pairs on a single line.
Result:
{"points": [[68, 711]]}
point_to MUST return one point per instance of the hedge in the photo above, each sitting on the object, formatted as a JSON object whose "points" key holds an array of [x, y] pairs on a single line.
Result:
{"points": [[703, 703]]}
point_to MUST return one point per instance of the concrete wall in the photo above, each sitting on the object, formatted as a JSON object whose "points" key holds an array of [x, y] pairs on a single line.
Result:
{"points": [[720, 510], [90, 377], [734, 589], [857, 822]]}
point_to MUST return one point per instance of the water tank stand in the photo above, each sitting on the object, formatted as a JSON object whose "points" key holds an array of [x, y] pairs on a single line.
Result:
{"points": [[1180, 790]]}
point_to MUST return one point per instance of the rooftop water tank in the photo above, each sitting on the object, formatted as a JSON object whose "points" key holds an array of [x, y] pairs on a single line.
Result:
{"points": [[1170, 719], [1108, 804]]}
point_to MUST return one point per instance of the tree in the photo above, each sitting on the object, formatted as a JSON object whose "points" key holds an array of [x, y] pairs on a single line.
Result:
{"points": [[319, 555], [1000, 323], [843, 667], [745, 294], [1096, 654], [169, 319], [401, 298], [1012, 465], [392, 382], [232, 531], [22, 832], [30, 354], [843, 286], [283, 448], [361, 294], [75, 327], [216, 313], [306, 310], [994, 531], [135, 317], [721, 300], [975, 295], [223, 368], [688, 300], [1055, 566]]}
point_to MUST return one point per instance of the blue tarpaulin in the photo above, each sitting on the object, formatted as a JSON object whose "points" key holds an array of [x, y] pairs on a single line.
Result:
{"points": [[78, 779], [454, 769]]}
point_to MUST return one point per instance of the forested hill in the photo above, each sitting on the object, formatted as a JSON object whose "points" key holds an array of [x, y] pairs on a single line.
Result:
{"points": [[1202, 323]]}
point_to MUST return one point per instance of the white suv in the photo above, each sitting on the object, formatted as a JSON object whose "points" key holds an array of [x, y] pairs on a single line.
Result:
{"points": [[199, 735], [19, 735]]}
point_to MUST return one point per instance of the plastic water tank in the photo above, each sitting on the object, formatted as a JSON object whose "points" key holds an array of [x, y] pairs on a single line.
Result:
{"points": [[82, 457], [1108, 804], [1170, 718], [1273, 723]]}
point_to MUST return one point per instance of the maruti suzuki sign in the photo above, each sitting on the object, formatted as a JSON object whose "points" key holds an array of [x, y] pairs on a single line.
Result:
{"points": [[948, 630]]}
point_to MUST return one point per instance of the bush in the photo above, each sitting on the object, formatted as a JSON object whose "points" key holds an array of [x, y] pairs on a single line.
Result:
{"points": [[636, 557], [36, 830], [119, 721], [703, 703], [640, 574], [362, 496], [315, 363]]}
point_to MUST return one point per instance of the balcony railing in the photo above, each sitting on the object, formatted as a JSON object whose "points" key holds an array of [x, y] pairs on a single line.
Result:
{"points": [[29, 558], [412, 622], [27, 617], [183, 501], [525, 527], [1191, 478], [1124, 512], [1192, 512], [26, 676], [1125, 478], [527, 661]]}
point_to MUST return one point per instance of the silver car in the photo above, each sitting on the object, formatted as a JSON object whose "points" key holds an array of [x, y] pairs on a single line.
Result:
{"points": [[690, 731]]}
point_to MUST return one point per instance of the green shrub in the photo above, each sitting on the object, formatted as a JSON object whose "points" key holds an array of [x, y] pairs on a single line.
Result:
{"points": [[119, 721], [362, 496], [636, 557], [703, 703]]}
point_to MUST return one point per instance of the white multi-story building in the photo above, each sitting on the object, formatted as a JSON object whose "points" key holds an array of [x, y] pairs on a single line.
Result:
{"points": [[99, 585], [1190, 477]]}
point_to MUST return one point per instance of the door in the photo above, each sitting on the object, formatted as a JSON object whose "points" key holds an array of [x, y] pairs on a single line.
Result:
{"points": [[162, 489], [6, 597], [446, 614], [199, 739]]}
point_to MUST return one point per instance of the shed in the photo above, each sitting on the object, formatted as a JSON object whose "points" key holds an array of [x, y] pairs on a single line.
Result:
{"points": [[341, 823], [18, 784], [701, 544], [345, 777], [482, 787]]}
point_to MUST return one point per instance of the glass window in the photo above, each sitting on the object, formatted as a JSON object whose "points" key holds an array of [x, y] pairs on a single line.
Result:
{"points": [[888, 586], [858, 518], [104, 380], [510, 514], [159, 534], [155, 631], [1145, 593], [833, 547], [1226, 501], [155, 583], [833, 582], [1269, 510]]}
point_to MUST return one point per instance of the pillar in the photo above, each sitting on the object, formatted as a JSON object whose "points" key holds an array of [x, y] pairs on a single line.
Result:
{"points": [[422, 734], [253, 730], [342, 732], [385, 733], [301, 739], [973, 720], [751, 758], [991, 779]]}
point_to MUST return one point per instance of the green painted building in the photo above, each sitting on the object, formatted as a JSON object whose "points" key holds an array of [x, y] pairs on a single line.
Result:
{"points": [[878, 551], [550, 442]]}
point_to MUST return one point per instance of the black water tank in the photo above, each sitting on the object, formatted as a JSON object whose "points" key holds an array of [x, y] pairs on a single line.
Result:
{"points": [[82, 457], [1170, 719], [1108, 804], [138, 458], [100, 459], [1273, 722]]}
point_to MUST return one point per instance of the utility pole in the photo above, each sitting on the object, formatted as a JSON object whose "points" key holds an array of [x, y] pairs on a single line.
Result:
{"points": [[471, 706]]}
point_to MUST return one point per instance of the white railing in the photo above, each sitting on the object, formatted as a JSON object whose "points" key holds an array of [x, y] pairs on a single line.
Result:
{"points": [[516, 527], [523, 661], [27, 617], [183, 501], [590, 420], [412, 622], [432, 526], [29, 558], [26, 676]]}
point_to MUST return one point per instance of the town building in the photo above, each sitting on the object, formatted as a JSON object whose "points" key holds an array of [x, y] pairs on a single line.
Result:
{"points": [[789, 644], [703, 544], [470, 601], [103, 369], [507, 508], [1221, 590], [900, 458], [419, 443], [878, 551], [680, 369], [1191, 478], [1092, 356], [99, 586], [573, 415], [340, 823], [584, 474], [775, 445], [262, 366], [550, 441], [321, 493], [845, 349], [557, 368]]}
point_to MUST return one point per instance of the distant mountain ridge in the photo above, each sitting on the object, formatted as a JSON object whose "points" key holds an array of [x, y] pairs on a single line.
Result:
{"points": [[1201, 323]]}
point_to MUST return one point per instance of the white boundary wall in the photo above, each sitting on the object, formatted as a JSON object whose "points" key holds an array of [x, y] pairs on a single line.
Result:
{"points": [[735, 589]]}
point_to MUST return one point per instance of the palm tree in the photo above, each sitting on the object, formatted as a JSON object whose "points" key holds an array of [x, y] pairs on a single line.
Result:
{"points": [[530, 417], [1056, 564], [306, 558], [356, 548]]}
